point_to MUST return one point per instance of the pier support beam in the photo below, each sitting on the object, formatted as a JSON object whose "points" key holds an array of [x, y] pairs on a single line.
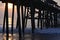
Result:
{"points": [[32, 21], [39, 19], [19, 21], [12, 21], [7, 27], [22, 13], [55, 19], [6, 18]]}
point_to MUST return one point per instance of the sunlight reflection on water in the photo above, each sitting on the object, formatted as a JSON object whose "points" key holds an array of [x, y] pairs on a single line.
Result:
{"points": [[16, 37], [29, 37], [10, 37]]}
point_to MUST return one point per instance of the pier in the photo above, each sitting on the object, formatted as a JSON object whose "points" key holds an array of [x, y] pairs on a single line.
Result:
{"points": [[44, 11]]}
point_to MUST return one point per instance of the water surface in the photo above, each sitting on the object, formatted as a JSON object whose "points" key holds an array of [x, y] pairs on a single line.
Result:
{"points": [[30, 37]]}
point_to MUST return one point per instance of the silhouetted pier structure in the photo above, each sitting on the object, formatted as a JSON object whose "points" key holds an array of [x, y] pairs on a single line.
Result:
{"points": [[47, 11]]}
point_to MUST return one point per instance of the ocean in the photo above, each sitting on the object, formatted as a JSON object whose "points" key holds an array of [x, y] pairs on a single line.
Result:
{"points": [[30, 37], [45, 34]]}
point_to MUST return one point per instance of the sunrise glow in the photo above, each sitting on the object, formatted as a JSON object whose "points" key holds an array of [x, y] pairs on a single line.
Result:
{"points": [[9, 5], [9, 21]]}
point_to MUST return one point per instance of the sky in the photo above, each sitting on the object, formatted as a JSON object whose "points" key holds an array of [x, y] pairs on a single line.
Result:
{"points": [[58, 1], [2, 8]]}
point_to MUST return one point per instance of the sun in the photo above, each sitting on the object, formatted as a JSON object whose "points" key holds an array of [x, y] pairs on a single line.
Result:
{"points": [[9, 5]]}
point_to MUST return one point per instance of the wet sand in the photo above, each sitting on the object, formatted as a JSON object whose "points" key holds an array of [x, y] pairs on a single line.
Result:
{"points": [[35, 37]]}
